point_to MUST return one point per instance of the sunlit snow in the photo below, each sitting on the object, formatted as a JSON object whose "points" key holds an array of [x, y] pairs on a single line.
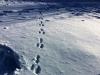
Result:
{"points": [[39, 38]]}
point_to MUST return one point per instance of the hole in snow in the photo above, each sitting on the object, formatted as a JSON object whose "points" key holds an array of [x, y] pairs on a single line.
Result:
{"points": [[38, 70], [5, 27], [41, 46], [40, 40], [46, 20], [9, 60], [38, 57], [32, 67]]}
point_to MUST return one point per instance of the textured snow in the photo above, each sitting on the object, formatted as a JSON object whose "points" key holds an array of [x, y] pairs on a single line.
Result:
{"points": [[49, 39]]}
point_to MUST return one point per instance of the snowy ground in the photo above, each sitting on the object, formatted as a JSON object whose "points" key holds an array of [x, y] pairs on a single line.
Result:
{"points": [[49, 39]]}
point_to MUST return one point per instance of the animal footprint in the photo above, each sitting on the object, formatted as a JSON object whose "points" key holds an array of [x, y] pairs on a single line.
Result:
{"points": [[37, 59], [35, 67], [39, 45], [41, 23], [41, 31], [40, 40], [32, 67], [41, 18], [38, 70]]}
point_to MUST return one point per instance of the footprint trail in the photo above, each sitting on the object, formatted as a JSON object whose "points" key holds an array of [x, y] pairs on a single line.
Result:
{"points": [[35, 67]]}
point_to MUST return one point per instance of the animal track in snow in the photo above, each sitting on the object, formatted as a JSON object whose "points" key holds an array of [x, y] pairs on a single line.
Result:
{"points": [[41, 31], [41, 23], [40, 40], [37, 45], [40, 45], [38, 70], [37, 59], [32, 67], [35, 67], [41, 18], [6, 27]]}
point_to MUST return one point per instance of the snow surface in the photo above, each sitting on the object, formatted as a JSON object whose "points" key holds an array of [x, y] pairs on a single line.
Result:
{"points": [[49, 39]]}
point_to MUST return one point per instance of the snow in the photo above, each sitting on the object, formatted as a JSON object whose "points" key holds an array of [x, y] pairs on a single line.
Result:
{"points": [[49, 41]]}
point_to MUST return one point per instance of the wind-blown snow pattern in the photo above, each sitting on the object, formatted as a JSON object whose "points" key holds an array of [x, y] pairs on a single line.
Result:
{"points": [[46, 38]]}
